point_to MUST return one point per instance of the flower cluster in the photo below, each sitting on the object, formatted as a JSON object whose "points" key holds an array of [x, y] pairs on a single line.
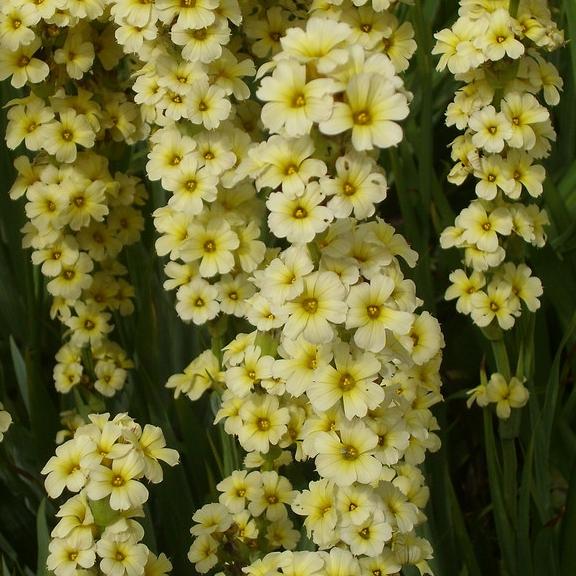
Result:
{"points": [[341, 369], [81, 211], [505, 395], [334, 73], [104, 464], [190, 90], [5, 421], [252, 514], [495, 49]]}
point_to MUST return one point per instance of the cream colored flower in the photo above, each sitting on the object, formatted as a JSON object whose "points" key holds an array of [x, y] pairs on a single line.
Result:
{"points": [[371, 108]]}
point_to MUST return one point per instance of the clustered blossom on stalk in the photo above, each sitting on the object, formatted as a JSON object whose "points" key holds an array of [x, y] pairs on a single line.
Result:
{"points": [[340, 368], [104, 465], [5, 421], [72, 122], [495, 48]]}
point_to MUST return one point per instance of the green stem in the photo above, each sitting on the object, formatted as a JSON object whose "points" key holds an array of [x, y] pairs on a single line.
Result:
{"points": [[513, 8], [426, 148], [502, 519], [508, 432], [501, 358], [509, 477], [426, 171]]}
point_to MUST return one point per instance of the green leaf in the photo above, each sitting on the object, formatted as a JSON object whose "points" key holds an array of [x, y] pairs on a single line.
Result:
{"points": [[43, 536], [566, 188], [21, 373], [506, 536], [524, 545], [553, 391], [570, 8], [467, 553], [568, 530], [4, 566], [546, 554]]}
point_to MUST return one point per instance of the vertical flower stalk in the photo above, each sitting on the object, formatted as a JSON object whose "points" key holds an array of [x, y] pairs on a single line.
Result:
{"points": [[104, 465], [496, 50], [335, 365], [74, 119], [190, 89]]}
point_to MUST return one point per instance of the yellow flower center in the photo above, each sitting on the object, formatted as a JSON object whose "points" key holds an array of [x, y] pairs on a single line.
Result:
{"points": [[348, 189], [209, 246], [365, 533], [199, 303], [119, 556], [202, 106], [492, 129], [373, 311], [187, 3], [310, 305], [177, 99], [51, 206], [350, 453], [176, 159], [67, 135], [347, 382], [362, 117], [68, 274], [191, 185], [312, 364], [263, 424], [23, 61], [200, 34], [78, 201], [233, 296], [272, 499], [72, 556], [299, 101], [291, 169], [299, 213], [366, 27], [491, 178], [486, 226], [494, 307], [89, 325], [500, 39], [118, 481], [208, 155]]}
